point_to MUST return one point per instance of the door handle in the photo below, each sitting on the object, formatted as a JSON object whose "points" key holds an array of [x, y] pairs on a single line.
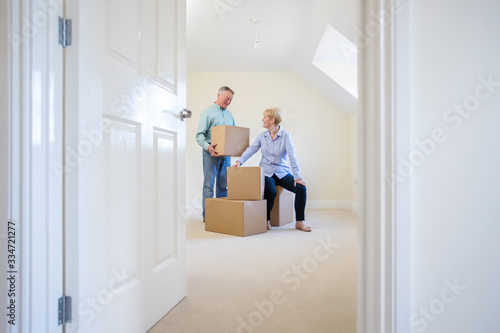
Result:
{"points": [[185, 113]]}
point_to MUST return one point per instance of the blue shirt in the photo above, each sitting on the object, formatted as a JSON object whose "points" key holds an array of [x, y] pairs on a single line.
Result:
{"points": [[214, 115], [274, 154]]}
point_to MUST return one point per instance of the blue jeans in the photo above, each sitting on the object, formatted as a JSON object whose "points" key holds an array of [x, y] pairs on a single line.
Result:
{"points": [[214, 173], [287, 183]]}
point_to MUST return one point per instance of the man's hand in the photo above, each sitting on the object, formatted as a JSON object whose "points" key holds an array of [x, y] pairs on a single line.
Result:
{"points": [[211, 150], [237, 164]]}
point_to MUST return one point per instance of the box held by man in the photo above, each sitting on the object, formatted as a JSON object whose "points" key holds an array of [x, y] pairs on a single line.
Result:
{"points": [[230, 140]]}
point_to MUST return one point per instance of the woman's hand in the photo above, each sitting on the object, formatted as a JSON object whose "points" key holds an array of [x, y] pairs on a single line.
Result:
{"points": [[299, 181], [237, 164]]}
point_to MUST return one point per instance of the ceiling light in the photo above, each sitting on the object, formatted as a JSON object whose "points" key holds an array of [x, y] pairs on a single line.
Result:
{"points": [[256, 45]]}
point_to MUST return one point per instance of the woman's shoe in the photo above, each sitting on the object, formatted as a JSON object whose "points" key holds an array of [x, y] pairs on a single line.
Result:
{"points": [[269, 225], [302, 226]]}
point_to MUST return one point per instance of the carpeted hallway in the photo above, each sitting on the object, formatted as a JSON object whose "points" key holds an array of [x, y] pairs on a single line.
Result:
{"points": [[284, 280]]}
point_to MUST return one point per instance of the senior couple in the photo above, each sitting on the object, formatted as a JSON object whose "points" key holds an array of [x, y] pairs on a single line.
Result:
{"points": [[276, 146]]}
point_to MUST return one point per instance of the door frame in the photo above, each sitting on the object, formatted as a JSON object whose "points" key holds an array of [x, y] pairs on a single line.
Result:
{"points": [[33, 110], [384, 214], [4, 152]]}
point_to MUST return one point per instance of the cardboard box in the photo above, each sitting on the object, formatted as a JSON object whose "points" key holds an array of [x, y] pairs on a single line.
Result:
{"points": [[245, 183], [230, 140], [283, 209], [235, 217]]}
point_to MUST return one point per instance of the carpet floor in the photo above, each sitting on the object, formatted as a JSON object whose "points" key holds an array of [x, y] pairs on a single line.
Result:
{"points": [[284, 280]]}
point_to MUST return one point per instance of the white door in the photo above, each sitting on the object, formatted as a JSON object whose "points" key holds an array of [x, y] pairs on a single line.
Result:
{"points": [[125, 157]]}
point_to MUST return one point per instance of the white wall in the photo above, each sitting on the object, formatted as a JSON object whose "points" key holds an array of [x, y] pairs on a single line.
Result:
{"points": [[321, 133], [352, 151], [455, 196]]}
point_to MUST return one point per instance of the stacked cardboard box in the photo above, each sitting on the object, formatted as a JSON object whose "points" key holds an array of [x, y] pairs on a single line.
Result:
{"points": [[282, 212], [245, 183], [235, 217], [243, 212]]}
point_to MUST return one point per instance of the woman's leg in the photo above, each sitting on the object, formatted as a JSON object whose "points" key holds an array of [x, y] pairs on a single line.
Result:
{"points": [[269, 194], [300, 191]]}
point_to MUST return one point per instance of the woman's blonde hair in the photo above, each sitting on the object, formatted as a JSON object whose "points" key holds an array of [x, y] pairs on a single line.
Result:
{"points": [[274, 113]]}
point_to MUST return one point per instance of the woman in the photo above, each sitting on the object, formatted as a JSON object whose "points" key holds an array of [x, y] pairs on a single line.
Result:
{"points": [[276, 145]]}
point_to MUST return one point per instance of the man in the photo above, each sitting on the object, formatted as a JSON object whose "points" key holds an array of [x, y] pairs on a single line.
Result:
{"points": [[214, 166]]}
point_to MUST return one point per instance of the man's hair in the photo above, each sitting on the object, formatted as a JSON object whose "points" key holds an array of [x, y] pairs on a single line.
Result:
{"points": [[224, 89]]}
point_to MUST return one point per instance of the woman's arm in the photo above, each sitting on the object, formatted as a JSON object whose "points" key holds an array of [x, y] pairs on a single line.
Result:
{"points": [[294, 163], [252, 149]]}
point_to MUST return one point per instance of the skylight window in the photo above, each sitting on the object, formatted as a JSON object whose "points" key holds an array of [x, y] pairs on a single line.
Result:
{"points": [[337, 56]]}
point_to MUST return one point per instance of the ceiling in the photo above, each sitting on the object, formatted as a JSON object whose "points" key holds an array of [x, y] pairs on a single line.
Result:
{"points": [[221, 34]]}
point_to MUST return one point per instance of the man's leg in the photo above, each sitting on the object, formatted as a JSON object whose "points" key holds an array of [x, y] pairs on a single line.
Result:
{"points": [[221, 185], [209, 173]]}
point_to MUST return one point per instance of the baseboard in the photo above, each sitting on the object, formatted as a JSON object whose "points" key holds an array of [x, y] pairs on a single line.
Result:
{"points": [[193, 208], [332, 204]]}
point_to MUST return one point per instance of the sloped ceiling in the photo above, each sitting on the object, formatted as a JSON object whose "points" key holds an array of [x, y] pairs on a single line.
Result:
{"points": [[221, 34]]}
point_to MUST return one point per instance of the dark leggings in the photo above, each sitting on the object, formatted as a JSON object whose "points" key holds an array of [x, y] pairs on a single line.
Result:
{"points": [[287, 183]]}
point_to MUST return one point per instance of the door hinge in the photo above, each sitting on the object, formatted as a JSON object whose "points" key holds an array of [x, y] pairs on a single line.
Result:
{"points": [[64, 32], [64, 310]]}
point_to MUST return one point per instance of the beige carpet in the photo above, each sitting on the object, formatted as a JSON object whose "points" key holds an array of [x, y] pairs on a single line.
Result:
{"points": [[284, 280]]}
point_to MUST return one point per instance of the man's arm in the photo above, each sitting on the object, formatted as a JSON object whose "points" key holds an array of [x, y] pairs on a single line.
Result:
{"points": [[202, 131]]}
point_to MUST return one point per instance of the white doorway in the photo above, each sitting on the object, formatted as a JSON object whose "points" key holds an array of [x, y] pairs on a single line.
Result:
{"points": [[19, 128]]}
